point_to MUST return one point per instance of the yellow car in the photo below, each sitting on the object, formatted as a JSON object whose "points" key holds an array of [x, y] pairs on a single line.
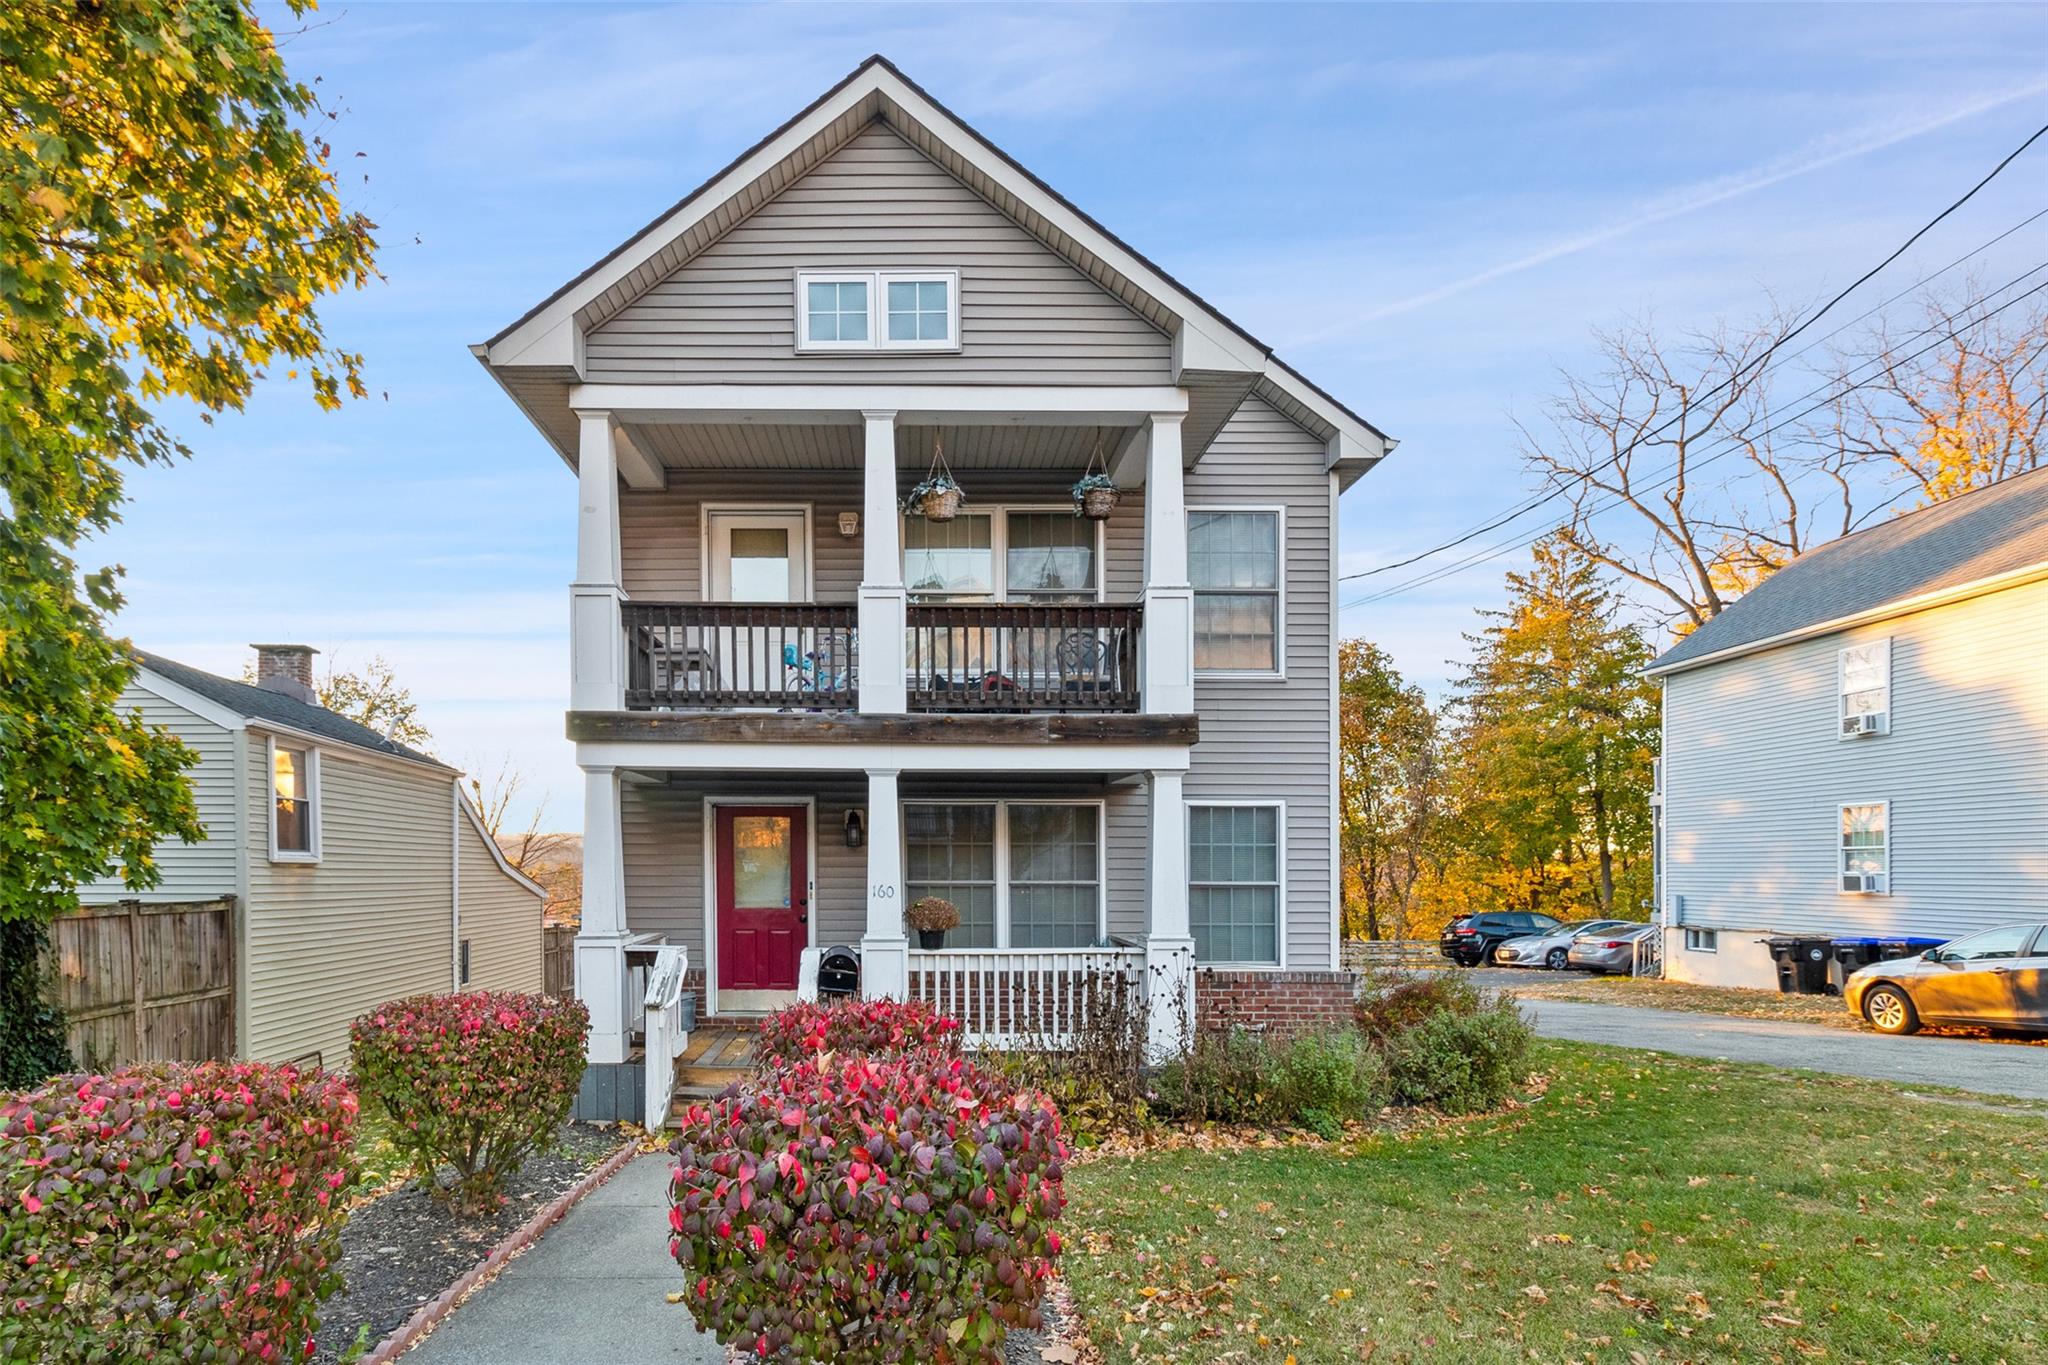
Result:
{"points": [[1996, 979]]}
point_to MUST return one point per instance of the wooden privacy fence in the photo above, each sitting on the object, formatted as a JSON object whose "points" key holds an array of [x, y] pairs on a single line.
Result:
{"points": [[558, 959], [147, 983], [1391, 954]]}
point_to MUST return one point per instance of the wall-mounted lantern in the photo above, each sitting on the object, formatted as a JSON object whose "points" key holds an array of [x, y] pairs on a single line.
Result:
{"points": [[856, 828]]}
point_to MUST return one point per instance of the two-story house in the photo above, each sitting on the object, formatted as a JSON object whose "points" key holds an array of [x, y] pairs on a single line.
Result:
{"points": [[1859, 746], [800, 706]]}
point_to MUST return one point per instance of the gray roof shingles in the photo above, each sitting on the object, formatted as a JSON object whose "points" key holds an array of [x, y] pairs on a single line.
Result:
{"points": [[260, 703], [1992, 531]]}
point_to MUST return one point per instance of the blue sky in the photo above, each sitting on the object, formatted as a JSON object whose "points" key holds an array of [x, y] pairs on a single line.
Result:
{"points": [[1424, 208]]}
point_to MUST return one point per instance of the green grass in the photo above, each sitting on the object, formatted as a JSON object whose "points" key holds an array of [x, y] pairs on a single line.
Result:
{"points": [[1652, 1208]]}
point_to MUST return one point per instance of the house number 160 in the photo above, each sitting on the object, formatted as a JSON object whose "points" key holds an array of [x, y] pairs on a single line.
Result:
{"points": [[882, 892]]}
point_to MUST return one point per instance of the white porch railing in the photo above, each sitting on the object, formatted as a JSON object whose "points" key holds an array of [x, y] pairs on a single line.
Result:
{"points": [[1026, 997], [666, 1039]]}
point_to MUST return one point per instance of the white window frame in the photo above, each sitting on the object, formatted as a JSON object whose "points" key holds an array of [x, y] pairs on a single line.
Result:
{"points": [[314, 798], [1702, 940], [999, 550], [1842, 849], [877, 282], [1002, 859], [1842, 689], [1277, 673], [1279, 870]]}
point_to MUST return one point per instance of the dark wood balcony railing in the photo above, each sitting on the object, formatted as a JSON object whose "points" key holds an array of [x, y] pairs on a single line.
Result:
{"points": [[1023, 656], [698, 655]]}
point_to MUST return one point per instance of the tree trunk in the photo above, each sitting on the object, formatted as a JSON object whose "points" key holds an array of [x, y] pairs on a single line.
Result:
{"points": [[1600, 827]]}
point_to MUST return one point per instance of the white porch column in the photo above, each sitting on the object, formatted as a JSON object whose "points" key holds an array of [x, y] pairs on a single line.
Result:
{"points": [[597, 640], [600, 942], [1168, 669], [883, 618], [1169, 943], [884, 951]]}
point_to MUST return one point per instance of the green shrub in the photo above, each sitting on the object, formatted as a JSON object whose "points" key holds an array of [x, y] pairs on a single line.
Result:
{"points": [[1226, 1076], [1321, 1122], [1461, 1063], [172, 1213], [476, 1081], [868, 1208], [1386, 1009], [1339, 1075]]}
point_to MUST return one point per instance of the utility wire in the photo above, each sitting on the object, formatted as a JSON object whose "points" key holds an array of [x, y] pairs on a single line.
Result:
{"points": [[1730, 445], [1531, 504]]}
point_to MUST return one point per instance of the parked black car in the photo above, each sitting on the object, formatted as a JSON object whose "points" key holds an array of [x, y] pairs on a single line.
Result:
{"points": [[1470, 939]]}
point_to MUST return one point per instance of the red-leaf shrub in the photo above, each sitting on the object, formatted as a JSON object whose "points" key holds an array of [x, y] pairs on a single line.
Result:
{"points": [[172, 1213], [868, 1209], [476, 1082], [871, 1027]]}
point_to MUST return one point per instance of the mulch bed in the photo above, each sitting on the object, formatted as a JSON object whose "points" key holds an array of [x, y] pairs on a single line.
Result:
{"points": [[400, 1251]]}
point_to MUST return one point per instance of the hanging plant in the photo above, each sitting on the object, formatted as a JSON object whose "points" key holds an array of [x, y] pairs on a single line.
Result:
{"points": [[1095, 493], [939, 496]]}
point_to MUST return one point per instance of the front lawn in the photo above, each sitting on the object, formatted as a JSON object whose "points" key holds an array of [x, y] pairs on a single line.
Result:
{"points": [[1645, 1208], [1684, 995]]}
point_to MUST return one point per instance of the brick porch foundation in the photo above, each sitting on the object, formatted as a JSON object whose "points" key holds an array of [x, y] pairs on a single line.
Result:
{"points": [[1274, 1002]]}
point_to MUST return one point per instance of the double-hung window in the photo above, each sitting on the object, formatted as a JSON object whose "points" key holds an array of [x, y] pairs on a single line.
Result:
{"points": [[1866, 847], [998, 555], [1234, 883], [294, 803], [1864, 673], [878, 310], [1024, 874], [1234, 565]]}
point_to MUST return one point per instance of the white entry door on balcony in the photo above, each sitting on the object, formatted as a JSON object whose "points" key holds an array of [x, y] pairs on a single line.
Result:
{"points": [[758, 556]]}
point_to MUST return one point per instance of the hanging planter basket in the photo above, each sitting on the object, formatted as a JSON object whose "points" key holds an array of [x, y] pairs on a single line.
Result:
{"points": [[938, 498], [1095, 493]]}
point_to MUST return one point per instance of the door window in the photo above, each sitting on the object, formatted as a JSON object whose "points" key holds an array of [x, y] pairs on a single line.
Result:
{"points": [[761, 861], [1991, 944], [760, 564]]}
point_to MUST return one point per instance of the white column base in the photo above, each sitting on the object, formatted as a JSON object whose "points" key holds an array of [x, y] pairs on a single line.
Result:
{"points": [[1167, 671], [884, 623], [1170, 997], [885, 968], [601, 986]]}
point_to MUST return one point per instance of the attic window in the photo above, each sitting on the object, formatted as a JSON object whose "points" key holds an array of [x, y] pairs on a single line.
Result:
{"points": [[878, 310]]}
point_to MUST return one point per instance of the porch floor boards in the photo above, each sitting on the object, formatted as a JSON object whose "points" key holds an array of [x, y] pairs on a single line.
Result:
{"points": [[718, 1055]]}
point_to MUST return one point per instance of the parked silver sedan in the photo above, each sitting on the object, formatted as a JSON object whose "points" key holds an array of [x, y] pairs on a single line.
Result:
{"points": [[1612, 950], [1996, 979], [1549, 949]]}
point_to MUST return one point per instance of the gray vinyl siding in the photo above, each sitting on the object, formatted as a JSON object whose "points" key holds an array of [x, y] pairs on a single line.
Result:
{"points": [[370, 922], [500, 920], [662, 831], [1025, 314], [1266, 739], [1754, 775], [198, 871]]}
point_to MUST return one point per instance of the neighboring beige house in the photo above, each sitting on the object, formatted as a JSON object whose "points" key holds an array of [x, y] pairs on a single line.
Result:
{"points": [[360, 870], [1858, 748], [800, 706]]}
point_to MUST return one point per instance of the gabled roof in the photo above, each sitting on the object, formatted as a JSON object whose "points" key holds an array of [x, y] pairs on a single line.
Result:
{"points": [[1978, 541], [260, 704], [547, 337]]}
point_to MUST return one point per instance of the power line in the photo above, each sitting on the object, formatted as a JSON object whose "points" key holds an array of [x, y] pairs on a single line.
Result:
{"points": [[1507, 547], [1537, 500]]}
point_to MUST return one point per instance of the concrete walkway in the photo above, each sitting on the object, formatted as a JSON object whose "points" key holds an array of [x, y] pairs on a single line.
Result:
{"points": [[1987, 1068], [591, 1289]]}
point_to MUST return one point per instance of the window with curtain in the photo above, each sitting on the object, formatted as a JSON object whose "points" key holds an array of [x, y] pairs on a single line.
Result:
{"points": [[950, 852], [1055, 876], [291, 800], [950, 560], [1049, 557], [1866, 848], [1234, 883], [1234, 565]]}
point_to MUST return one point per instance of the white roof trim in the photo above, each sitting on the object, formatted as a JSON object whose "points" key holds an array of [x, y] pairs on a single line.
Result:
{"points": [[549, 335], [149, 680], [476, 822], [1902, 606]]}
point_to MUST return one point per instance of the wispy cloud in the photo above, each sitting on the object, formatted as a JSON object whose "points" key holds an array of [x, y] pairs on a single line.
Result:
{"points": [[1687, 199]]}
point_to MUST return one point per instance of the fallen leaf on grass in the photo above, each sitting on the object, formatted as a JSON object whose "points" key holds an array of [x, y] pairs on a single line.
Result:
{"points": [[1536, 1292], [1780, 1320]]}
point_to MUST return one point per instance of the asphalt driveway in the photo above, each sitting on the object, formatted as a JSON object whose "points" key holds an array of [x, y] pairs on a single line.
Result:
{"points": [[1986, 1068]]}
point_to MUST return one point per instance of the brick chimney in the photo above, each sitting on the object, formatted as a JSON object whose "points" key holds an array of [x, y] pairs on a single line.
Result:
{"points": [[287, 669]]}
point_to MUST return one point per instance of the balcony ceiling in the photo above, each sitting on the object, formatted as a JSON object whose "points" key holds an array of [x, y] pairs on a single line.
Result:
{"points": [[809, 446]]}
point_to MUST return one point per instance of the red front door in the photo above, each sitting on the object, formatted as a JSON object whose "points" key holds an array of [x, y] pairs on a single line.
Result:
{"points": [[764, 893]]}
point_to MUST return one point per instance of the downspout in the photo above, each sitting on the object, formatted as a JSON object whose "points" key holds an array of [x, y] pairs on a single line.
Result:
{"points": [[455, 885]]}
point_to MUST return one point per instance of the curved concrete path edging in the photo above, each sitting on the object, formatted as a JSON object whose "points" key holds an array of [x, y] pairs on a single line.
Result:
{"points": [[521, 1237]]}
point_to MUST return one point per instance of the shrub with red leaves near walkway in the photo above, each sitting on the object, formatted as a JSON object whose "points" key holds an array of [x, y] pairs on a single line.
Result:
{"points": [[476, 1082], [865, 1209], [871, 1027], [172, 1214]]}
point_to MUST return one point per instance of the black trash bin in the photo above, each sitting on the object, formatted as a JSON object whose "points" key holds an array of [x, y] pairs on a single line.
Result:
{"points": [[839, 972], [1849, 954], [1891, 949], [1803, 964]]}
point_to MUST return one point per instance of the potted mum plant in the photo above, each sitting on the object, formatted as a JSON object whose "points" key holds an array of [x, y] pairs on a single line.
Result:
{"points": [[932, 917]]}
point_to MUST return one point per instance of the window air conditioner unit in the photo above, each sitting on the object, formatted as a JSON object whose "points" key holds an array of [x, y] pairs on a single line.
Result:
{"points": [[1863, 881], [1874, 723]]}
